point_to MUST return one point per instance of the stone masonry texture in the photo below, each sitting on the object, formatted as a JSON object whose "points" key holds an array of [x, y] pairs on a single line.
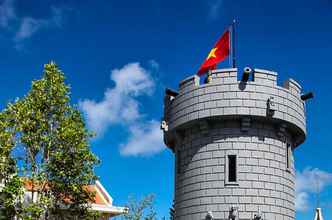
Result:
{"points": [[256, 121]]}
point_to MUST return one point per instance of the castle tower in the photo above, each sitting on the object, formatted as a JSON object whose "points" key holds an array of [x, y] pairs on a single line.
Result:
{"points": [[233, 141]]}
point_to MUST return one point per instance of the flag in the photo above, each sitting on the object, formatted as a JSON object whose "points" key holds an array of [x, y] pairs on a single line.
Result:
{"points": [[217, 54]]}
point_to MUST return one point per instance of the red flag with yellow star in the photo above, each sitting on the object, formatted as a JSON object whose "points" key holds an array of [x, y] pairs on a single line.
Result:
{"points": [[217, 54]]}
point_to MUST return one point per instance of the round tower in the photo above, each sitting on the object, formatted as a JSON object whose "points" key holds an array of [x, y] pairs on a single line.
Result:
{"points": [[233, 142]]}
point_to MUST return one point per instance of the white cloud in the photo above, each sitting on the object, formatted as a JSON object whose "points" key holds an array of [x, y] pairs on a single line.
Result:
{"points": [[310, 181], [145, 139], [57, 16], [302, 201], [327, 205], [119, 104], [30, 26], [154, 65], [132, 79], [25, 26], [214, 9], [7, 13]]}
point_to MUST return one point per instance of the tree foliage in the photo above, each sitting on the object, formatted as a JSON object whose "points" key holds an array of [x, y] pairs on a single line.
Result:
{"points": [[43, 138], [142, 209]]}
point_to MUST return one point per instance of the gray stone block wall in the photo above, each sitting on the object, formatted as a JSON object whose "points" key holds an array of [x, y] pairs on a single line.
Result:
{"points": [[264, 182], [206, 123], [226, 96]]}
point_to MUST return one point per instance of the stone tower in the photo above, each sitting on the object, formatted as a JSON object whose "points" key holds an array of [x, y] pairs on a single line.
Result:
{"points": [[233, 142]]}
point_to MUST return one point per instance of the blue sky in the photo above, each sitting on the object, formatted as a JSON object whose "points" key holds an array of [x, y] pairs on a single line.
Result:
{"points": [[127, 52]]}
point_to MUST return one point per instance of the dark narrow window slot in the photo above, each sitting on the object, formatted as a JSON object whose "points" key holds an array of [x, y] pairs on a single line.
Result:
{"points": [[288, 155], [232, 168]]}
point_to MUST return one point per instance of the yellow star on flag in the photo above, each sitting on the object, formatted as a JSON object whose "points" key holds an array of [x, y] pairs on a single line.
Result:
{"points": [[212, 53]]}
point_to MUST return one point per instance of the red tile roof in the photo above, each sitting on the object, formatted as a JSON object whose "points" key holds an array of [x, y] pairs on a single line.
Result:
{"points": [[100, 197]]}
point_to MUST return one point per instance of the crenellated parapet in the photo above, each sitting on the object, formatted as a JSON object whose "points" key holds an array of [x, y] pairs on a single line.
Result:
{"points": [[226, 97]]}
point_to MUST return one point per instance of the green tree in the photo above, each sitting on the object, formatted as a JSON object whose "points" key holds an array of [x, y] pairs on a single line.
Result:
{"points": [[11, 191], [142, 209], [46, 136]]}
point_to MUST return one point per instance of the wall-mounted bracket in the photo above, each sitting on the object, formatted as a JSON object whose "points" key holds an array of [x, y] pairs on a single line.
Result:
{"points": [[164, 126], [271, 107], [209, 216], [258, 217], [233, 213]]}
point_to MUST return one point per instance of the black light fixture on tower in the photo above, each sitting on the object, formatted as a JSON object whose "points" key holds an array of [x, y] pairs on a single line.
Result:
{"points": [[307, 96]]}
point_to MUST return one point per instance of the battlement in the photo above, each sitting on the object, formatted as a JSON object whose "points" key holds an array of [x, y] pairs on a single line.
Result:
{"points": [[230, 75], [225, 97]]}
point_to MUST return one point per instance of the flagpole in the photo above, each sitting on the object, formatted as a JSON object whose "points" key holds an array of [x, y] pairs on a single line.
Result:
{"points": [[233, 44]]}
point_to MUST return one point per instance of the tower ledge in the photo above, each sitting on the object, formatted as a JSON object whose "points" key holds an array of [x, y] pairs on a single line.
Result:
{"points": [[225, 97]]}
